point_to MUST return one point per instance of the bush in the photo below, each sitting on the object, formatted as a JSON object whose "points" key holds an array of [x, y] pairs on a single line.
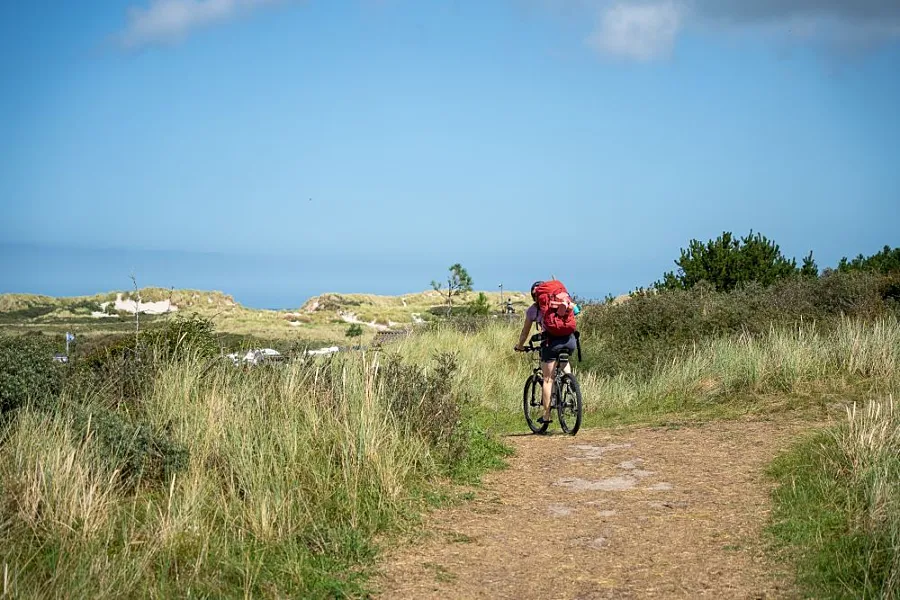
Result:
{"points": [[354, 331], [139, 453], [126, 366], [28, 375], [727, 262], [424, 400], [657, 326], [887, 261], [481, 306], [27, 370]]}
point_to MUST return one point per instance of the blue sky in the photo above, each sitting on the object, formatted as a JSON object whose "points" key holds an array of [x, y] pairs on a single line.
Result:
{"points": [[585, 138]]}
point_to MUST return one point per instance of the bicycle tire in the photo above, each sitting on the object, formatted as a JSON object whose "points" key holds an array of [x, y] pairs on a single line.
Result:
{"points": [[568, 404], [532, 405]]}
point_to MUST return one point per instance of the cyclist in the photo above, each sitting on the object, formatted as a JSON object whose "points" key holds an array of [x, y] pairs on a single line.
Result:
{"points": [[551, 348]]}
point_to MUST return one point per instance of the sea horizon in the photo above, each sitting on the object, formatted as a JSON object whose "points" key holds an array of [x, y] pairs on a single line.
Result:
{"points": [[276, 282]]}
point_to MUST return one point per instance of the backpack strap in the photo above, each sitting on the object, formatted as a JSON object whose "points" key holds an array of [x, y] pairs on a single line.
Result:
{"points": [[577, 335]]}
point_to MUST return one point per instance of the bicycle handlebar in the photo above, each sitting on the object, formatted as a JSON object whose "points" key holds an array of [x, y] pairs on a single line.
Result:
{"points": [[540, 336]]}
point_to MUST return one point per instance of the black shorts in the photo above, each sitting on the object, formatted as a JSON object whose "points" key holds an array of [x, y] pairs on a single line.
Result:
{"points": [[552, 347]]}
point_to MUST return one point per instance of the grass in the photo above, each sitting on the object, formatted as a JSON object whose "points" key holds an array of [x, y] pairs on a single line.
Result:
{"points": [[837, 507], [291, 474], [798, 368], [320, 319]]}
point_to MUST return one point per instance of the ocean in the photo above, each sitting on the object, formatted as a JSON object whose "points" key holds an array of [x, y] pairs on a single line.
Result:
{"points": [[285, 282]]}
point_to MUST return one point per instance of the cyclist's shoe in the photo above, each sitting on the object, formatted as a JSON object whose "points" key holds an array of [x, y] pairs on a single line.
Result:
{"points": [[542, 420]]}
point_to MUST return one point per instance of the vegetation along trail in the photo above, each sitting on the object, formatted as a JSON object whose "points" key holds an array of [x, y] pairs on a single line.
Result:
{"points": [[628, 512]]}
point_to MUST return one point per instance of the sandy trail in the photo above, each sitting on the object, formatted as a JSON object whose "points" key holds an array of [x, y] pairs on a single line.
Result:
{"points": [[626, 513]]}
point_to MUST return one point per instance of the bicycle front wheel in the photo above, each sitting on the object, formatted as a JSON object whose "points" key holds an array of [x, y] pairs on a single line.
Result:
{"points": [[531, 403], [568, 404]]}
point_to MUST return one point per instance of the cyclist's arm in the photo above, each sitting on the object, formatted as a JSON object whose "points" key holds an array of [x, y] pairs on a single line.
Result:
{"points": [[526, 329]]}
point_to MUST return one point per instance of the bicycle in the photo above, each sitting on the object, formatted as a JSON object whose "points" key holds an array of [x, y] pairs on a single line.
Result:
{"points": [[567, 403]]}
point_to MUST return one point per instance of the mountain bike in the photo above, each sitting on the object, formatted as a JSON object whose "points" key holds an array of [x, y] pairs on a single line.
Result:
{"points": [[565, 398]]}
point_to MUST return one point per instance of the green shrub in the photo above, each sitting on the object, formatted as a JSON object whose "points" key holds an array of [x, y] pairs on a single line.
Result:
{"points": [[657, 326], [354, 331], [27, 370], [886, 261], [727, 262], [480, 306], [30, 312], [424, 400], [139, 452], [126, 366]]}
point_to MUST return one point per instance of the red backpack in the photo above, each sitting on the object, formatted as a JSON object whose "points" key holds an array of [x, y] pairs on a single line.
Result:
{"points": [[557, 307]]}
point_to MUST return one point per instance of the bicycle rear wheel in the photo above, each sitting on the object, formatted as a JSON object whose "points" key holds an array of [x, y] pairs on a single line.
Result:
{"points": [[568, 404], [531, 403]]}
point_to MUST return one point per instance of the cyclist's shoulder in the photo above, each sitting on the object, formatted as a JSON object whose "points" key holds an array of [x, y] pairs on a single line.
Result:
{"points": [[532, 312]]}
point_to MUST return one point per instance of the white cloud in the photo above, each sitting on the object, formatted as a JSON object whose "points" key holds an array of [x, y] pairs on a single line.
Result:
{"points": [[837, 24], [172, 20], [637, 31], [644, 30]]}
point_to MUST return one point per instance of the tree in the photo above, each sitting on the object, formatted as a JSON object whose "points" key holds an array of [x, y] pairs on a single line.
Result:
{"points": [[458, 281], [728, 261], [354, 331], [884, 262], [481, 306], [809, 268]]}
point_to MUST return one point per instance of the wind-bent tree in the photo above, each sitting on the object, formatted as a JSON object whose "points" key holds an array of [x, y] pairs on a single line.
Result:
{"points": [[458, 281]]}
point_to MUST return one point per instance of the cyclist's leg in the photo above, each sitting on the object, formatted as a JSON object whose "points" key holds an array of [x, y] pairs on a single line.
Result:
{"points": [[569, 347], [549, 357], [547, 369]]}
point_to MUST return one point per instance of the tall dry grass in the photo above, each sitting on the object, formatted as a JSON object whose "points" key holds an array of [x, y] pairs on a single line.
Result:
{"points": [[869, 446], [783, 361], [291, 472], [793, 361], [836, 510]]}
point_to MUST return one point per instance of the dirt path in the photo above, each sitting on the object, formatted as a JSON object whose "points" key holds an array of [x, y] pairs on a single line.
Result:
{"points": [[628, 513]]}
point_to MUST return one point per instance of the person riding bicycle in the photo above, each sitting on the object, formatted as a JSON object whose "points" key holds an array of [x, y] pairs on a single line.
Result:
{"points": [[551, 347]]}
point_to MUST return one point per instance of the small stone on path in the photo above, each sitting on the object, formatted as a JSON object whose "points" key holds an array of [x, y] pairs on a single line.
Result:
{"points": [[611, 484], [558, 510]]}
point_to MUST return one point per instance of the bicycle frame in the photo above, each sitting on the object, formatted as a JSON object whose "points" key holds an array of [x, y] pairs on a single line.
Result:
{"points": [[558, 370], [567, 405]]}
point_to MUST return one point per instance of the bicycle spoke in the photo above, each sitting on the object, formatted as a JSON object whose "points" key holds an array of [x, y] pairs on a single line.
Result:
{"points": [[569, 409], [532, 405]]}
